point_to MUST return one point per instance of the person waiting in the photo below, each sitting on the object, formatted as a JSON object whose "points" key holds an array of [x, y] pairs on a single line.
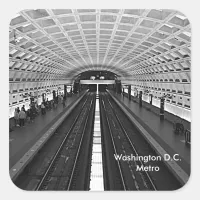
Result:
{"points": [[31, 114], [43, 108], [63, 102], [28, 116], [18, 110], [16, 117], [47, 104], [35, 109], [22, 116], [23, 107]]}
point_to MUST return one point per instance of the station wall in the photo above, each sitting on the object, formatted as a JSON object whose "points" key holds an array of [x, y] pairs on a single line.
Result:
{"points": [[173, 108]]}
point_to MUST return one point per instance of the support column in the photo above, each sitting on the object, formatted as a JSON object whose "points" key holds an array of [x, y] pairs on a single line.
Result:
{"points": [[129, 92], [97, 88], [54, 95], [43, 97], [115, 87], [151, 98], [65, 92], [71, 91], [162, 104], [123, 91], [79, 87], [119, 87], [76, 87], [140, 98]]}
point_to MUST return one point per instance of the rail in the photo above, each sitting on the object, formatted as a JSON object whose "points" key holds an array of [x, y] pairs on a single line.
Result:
{"points": [[79, 147], [59, 149], [115, 150], [133, 148]]}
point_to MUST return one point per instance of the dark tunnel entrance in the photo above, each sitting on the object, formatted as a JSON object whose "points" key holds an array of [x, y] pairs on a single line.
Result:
{"points": [[92, 87], [101, 87]]}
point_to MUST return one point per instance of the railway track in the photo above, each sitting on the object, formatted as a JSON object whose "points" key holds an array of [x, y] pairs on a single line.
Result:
{"points": [[61, 171], [131, 179], [57, 164], [113, 177], [127, 140], [121, 143], [66, 161]]}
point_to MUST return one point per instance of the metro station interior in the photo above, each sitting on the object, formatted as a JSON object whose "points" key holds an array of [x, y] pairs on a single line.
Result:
{"points": [[99, 99]]}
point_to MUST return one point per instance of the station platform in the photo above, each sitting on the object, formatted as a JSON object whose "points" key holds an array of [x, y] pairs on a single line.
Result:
{"points": [[21, 139], [161, 130]]}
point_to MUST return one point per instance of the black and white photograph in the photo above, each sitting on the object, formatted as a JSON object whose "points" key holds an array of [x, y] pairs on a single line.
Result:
{"points": [[99, 99]]}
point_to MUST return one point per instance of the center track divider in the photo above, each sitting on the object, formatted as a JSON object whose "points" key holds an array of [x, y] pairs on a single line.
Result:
{"points": [[178, 172], [96, 174], [26, 159]]}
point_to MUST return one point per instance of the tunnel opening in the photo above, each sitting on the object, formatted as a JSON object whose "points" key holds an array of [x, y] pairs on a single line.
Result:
{"points": [[103, 87], [92, 87], [97, 75], [97, 87]]}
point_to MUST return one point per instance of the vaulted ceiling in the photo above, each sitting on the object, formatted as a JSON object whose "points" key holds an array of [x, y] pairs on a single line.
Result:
{"points": [[63, 43], [149, 49]]}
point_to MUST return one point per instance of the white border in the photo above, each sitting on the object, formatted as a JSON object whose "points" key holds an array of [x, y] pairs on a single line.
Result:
{"points": [[10, 8]]}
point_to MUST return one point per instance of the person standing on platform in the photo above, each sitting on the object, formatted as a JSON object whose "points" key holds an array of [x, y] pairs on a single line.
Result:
{"points": [[18, 110], [22, 116], [47, 104], [53, 105], [63, 102], [23, 107], [31, 114], [61, 99], [43, 108], [36, 108], [28, 116], [56, 99], [16, 117]]}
